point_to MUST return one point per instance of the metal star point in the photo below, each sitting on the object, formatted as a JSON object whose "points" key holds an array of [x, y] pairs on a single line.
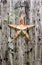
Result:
{"points": [[21, 29]]}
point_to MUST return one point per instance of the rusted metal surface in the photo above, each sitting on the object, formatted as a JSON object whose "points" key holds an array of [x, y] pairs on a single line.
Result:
{"points": [[22, 29]]}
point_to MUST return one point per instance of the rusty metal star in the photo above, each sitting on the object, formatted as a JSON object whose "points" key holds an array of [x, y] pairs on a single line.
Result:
{"points": [[21, 29]]}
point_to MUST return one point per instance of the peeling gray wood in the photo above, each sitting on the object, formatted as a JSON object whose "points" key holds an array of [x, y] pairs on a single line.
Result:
{"points": [[35, 17]]}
